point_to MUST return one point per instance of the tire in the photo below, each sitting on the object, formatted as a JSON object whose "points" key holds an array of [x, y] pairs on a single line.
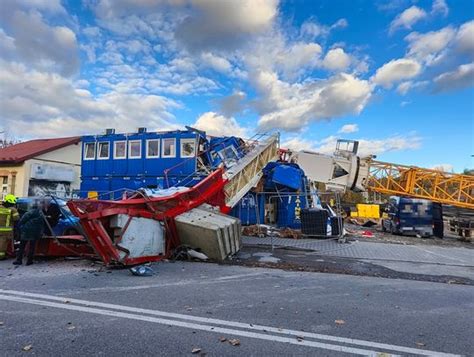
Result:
{"points": [[393, 230]]}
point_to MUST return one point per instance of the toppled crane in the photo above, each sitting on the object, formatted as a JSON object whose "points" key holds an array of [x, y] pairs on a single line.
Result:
{"points": [[346, 170], [142, 228]]}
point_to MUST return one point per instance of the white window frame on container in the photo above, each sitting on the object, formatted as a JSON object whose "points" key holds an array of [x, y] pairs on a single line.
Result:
{"points": [[188, 141], [99, 146], [124, 142], [148, 156], [130, 142], [163, 141], [86, 145]]}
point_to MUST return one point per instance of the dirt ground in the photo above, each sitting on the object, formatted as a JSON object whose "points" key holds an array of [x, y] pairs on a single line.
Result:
{"points": [[299, 260]]}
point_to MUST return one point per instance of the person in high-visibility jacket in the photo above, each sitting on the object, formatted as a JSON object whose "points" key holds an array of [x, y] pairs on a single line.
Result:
{"points": [[8, 216]]}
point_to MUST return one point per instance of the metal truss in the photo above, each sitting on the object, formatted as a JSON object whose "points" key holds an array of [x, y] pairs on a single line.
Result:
{"points": [[412, 181], [248, 171]]}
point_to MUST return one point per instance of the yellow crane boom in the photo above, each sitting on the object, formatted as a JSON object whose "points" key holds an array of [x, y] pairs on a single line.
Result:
{"points": [[346, 170], [394, 179]]}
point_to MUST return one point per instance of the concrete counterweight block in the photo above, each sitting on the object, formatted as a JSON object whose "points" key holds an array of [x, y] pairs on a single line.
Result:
{"points": [[216, 234]]}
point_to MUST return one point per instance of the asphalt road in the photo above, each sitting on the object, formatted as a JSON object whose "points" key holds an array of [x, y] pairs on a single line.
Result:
{"points": [[74, 309]]}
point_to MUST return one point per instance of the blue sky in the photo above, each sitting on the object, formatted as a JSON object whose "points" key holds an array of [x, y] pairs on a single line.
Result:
{"points": [[396, 75]]}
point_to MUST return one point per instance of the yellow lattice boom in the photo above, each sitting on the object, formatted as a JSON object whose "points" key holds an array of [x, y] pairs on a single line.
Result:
{"points": [[412, 181]]}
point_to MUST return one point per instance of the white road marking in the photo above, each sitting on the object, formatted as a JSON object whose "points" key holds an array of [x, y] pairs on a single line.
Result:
{"points": [[222, 279], [208, 328], [234, 324]]}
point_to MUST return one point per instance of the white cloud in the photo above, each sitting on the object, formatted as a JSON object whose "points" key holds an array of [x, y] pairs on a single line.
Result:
{"points": [[443, 167], [49, 6], [219, 64], [389, 144], [462, 77], [240, 39], [219, 125], [225, 24], [298, 143], [404, 87], [275, 52], [298, 57], [232, 104], [34, 42], [395, 71], [407, 19], [440, 7], [465, 38], [336, 60], [47, 104], [429, 47], [366, 146], [448, 47], [117, 8], [341, 23], [129, 66], [150, 48], [312, 29], [91, 31], [349, 128], [292, 106]]}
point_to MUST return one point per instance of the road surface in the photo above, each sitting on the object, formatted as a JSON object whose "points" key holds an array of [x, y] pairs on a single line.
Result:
{"points": [[72, 308]]}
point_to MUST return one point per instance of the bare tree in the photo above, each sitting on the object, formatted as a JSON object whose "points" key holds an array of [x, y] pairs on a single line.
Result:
{"points": [[7, 139]]}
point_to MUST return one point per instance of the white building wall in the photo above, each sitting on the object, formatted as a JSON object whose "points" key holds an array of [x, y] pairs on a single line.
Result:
{"points": [[61, 165], [58, 170], [70, 154]]}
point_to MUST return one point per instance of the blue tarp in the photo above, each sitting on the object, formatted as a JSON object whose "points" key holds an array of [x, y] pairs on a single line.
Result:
{"points": [[286, 176]]}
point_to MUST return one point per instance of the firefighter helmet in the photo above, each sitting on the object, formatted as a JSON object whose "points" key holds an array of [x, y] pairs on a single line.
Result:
{"points": [[10, 199]]}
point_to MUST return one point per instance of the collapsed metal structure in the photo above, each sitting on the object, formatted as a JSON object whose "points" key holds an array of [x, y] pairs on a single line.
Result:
{"points": [[139, 227], [346, 170], [106, 223], [437, 186]]}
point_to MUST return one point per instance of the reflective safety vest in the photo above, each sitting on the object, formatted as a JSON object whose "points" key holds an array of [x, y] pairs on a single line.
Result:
{"points": [[7, 217]]}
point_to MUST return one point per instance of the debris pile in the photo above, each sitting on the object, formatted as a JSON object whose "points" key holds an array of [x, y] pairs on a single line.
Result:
{"points": [[363, 222], [269, 231]]}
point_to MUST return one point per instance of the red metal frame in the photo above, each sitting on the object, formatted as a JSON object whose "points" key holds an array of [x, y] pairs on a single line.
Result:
{"points": [[67, 246], [94, 216], [62, 246]]}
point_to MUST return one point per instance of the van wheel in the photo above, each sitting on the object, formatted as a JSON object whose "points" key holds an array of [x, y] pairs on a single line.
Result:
{"points": [[393, 230]]}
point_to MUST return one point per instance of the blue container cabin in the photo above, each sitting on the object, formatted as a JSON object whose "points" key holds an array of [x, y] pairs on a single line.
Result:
{"points": [[289, 211], [143, 159], [112, 162], [250, 209], [284, 186]]}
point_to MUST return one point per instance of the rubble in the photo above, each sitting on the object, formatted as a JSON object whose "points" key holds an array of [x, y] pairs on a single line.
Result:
{"points": [[142, 270], [264, 230], [364, 222], [197, 255]]}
